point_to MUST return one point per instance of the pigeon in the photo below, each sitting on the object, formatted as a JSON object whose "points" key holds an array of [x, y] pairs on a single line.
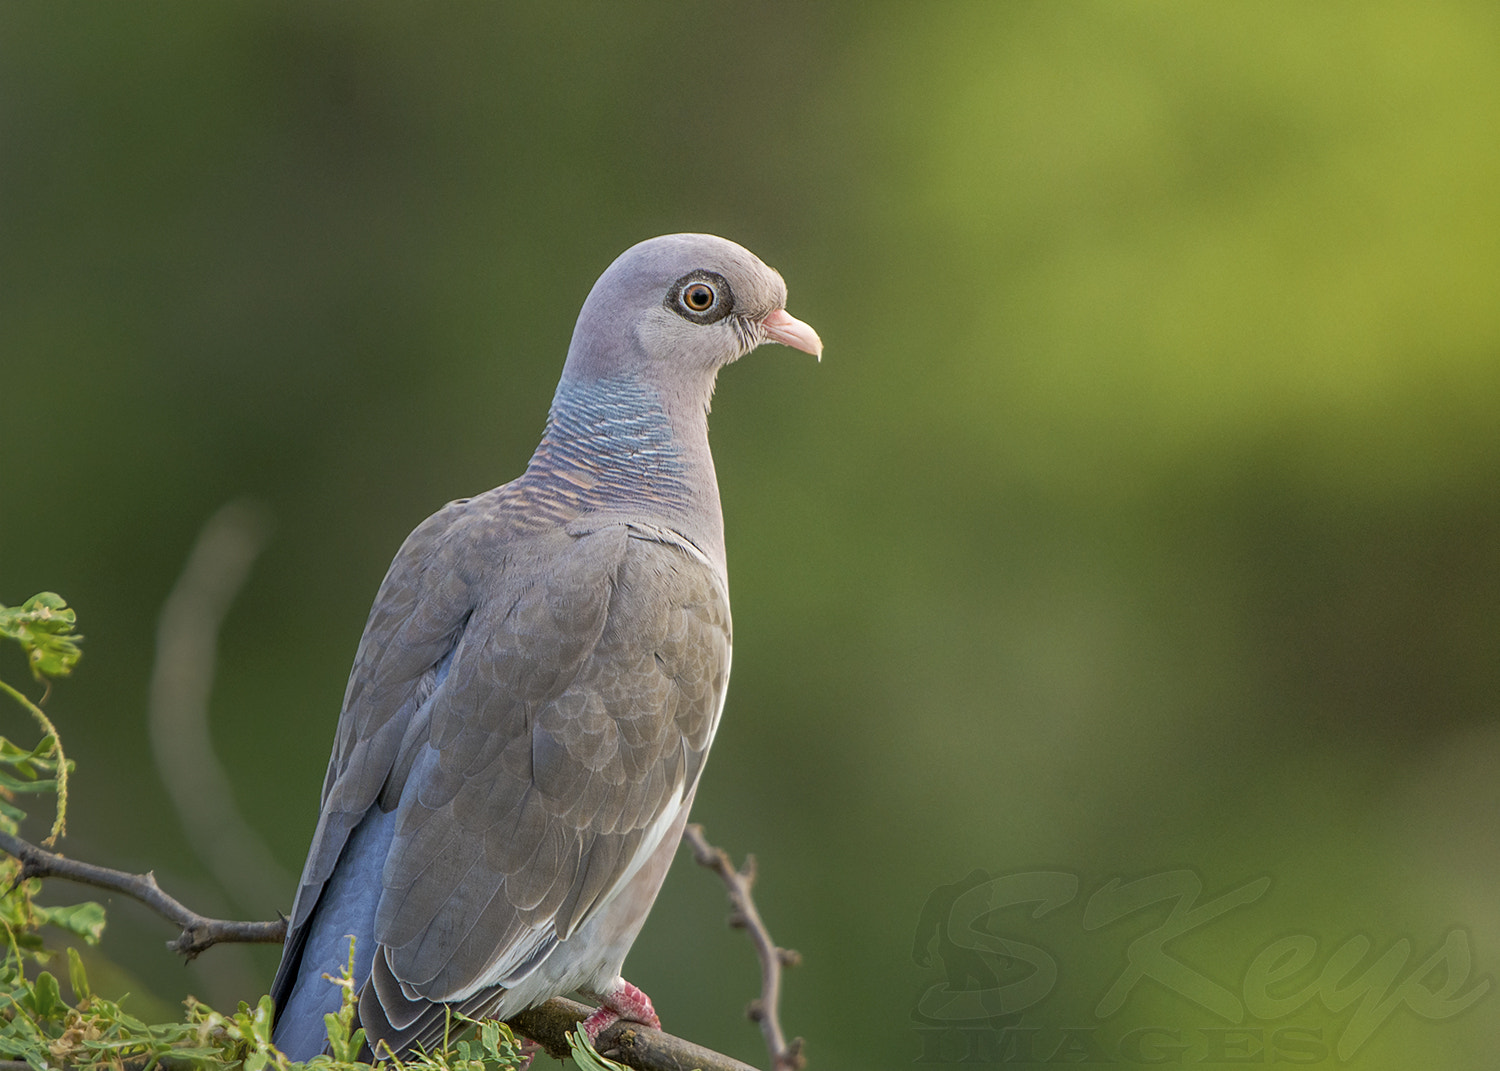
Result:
{"points": [[537, 687]]}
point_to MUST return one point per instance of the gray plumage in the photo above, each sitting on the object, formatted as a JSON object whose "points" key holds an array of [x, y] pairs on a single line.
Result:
{"points": [[538, 684]]}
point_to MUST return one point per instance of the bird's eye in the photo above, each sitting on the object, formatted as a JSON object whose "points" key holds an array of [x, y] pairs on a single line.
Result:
{"points": [[698, 297], [701, 296]]}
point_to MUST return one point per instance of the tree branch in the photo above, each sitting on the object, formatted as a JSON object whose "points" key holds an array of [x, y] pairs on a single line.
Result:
{"points": [[547, 1024], [631, 1044], [198, 932], [785, 1056]]}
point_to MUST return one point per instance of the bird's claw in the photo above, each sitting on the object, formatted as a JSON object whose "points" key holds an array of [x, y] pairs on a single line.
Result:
{"points": [[622, 1001]]}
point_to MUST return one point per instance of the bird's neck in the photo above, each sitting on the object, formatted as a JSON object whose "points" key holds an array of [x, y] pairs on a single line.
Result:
{"points": [[621, 445]]}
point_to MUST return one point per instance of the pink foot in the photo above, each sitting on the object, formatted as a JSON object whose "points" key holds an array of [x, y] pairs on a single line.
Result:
{"points": [[529, 1049], [620, 1001]]}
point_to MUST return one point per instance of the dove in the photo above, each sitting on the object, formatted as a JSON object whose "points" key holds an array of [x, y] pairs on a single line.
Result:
{"points": [[537, 686]]}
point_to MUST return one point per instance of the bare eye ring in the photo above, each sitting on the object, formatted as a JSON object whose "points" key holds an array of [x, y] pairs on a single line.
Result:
{"points": [[701, 297]]}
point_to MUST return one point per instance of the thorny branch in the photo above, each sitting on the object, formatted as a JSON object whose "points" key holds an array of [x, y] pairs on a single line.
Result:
{"points": [[785, 1056], [548, 1024], [198, 932]]}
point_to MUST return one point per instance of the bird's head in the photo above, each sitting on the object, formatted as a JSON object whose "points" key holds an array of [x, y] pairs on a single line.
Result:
{"points": [[676, 309]]}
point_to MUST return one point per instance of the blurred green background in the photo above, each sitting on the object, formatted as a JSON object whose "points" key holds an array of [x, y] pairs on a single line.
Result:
{"points": [[1143, 514]]}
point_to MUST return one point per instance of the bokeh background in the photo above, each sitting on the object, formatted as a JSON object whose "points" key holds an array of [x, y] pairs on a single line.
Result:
{"points": [[1143, 514]]}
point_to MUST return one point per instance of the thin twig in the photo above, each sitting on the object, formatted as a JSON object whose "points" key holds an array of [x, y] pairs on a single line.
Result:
{"points": [[60, 823], [198, 932], [182, 677], [785, 1056]]}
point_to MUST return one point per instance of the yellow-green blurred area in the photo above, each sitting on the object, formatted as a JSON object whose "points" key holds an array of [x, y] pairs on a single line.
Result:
{"points": [[1143, 516]]}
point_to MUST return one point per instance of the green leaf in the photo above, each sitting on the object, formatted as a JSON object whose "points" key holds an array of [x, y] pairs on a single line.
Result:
{"points": [[46, 997], [77, 977], [43, 626], [30, 1050], [262, 1018], [25, 766], [585, 1056], [12, 753], [85, 920], [130, 1022]]}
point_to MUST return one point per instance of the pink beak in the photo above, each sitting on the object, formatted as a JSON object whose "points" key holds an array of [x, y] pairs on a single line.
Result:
{"points": [[781, 326]]}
